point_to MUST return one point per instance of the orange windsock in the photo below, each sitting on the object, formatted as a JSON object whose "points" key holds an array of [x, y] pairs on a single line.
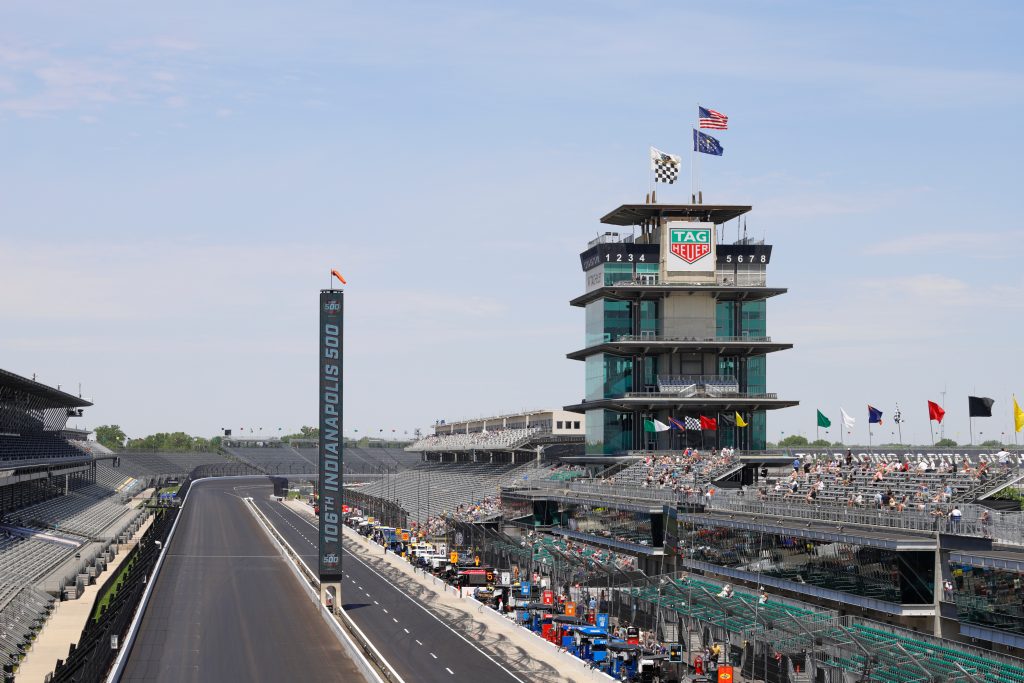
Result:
{"points": [[338, 275]]}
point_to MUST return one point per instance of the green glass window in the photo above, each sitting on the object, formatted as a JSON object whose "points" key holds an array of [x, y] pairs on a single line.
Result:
{"points": [[617, 272]]}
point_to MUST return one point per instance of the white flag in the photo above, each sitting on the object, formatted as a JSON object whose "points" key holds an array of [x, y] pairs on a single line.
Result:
{"points": [[655, 426], [665, 166], [848, 421]]}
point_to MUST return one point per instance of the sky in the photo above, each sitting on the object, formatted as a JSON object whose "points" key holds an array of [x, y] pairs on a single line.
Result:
{"points": [[178, 180]]}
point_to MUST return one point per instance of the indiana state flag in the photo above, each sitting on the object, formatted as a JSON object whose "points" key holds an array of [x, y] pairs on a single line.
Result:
{"points": [[706, 144]]}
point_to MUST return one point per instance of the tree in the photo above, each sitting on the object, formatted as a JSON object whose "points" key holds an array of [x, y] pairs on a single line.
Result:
{"points": [[306, 432], [821, 442], [945, 443], [991, 443], [793, 440], [111, 436]]}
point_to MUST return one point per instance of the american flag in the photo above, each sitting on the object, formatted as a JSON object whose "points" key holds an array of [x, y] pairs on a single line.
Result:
{"points": [[709, 118]]}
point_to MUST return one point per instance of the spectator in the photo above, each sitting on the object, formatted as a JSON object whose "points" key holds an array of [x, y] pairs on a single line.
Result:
{"points": [[955, 515], [985, 520]]}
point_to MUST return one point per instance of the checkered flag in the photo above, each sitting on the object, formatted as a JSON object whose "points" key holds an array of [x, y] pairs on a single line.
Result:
{"points": [[665, 166], [897, 416], [693, 423]]}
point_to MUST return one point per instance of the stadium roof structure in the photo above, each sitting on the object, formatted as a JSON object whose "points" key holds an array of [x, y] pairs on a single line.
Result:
{"points": [[655, 401], [733, 347], [638, 214], [47, 397], [625, 292]]}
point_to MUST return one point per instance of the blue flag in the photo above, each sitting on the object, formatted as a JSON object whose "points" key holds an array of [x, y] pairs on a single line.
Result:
{"points": [[874, 415], [706, 144]]}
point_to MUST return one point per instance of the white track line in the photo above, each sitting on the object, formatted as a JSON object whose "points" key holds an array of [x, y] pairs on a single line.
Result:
{"points": [[413, 601]]}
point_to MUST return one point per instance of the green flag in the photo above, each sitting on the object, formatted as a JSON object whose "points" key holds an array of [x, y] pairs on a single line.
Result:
{"points": [[823, 421], [655, 426]]}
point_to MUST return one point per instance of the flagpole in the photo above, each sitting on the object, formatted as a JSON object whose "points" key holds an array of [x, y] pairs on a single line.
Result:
{"points": [[696, 152], [970, 422], [931, 430]]}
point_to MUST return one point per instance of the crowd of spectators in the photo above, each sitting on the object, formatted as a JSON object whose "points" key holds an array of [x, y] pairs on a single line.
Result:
{"points": [[923, 485], [683, 472]]}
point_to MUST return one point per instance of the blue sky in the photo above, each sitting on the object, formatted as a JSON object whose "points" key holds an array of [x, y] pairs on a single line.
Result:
{"points": [[179, 179]]}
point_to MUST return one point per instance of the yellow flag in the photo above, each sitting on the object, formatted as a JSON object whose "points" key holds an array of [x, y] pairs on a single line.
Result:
{"points": [[1018, 416], [741, 423]]}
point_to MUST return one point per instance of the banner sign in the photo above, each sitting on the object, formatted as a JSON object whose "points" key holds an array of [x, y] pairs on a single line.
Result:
{"points": [[964, 455], [601, 620], [329, 485], [690, 247]]}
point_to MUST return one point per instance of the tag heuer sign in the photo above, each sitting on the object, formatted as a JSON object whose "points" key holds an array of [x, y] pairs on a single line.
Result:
{"points": [[690, 244]]}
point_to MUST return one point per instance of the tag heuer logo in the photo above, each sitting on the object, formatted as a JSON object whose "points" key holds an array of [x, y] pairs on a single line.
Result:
{"points": [[690, 244]]}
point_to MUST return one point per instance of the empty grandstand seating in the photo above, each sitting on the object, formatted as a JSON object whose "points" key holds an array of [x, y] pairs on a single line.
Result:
{"points": [[21, 617], [275, 459], [42, 446], [428, 489], [156, 468], [87, 510], [489, 440], [676, 384]]}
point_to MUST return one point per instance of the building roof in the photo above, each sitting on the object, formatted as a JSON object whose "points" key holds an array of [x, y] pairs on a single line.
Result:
{"points": [[893, 539], [636, 214], [751, 347], [52, 398], [726, 404]]}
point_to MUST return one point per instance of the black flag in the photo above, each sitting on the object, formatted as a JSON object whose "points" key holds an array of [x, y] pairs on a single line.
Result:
{"points": [[979, 406], [727, 419]]}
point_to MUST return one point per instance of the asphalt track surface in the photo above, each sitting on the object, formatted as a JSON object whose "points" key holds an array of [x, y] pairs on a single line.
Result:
{"points": [[419, 645], [226, 606]]}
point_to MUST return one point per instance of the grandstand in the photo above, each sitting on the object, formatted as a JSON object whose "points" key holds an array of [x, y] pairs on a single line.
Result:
{"points": [[277, 457], [428, 489], [513, 437], [61, 510]]}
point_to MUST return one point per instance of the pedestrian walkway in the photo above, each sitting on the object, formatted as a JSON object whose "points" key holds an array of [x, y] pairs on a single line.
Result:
{"points": [[67, 621]]}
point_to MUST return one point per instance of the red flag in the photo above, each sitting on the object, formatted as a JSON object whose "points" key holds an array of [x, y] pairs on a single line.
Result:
{"points": [[935, 411], [708, 423]]}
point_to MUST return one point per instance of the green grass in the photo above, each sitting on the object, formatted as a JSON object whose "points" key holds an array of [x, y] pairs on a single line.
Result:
{"points": [[169, 489], [105, 600]]}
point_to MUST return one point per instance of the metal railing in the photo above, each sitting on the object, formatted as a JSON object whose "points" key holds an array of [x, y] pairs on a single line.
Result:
{"points": [[652, 336], [701, 393], [723, 278]]}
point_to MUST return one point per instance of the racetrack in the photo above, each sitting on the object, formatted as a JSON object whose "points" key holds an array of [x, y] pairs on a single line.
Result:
{"points": [[226, 606], [416, 643]]}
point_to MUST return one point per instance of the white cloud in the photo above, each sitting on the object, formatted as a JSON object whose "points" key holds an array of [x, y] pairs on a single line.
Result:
{"points": [[966, 243]]}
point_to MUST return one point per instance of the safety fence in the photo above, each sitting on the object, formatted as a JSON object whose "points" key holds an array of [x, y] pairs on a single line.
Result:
{"points": [[93, 655]]}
